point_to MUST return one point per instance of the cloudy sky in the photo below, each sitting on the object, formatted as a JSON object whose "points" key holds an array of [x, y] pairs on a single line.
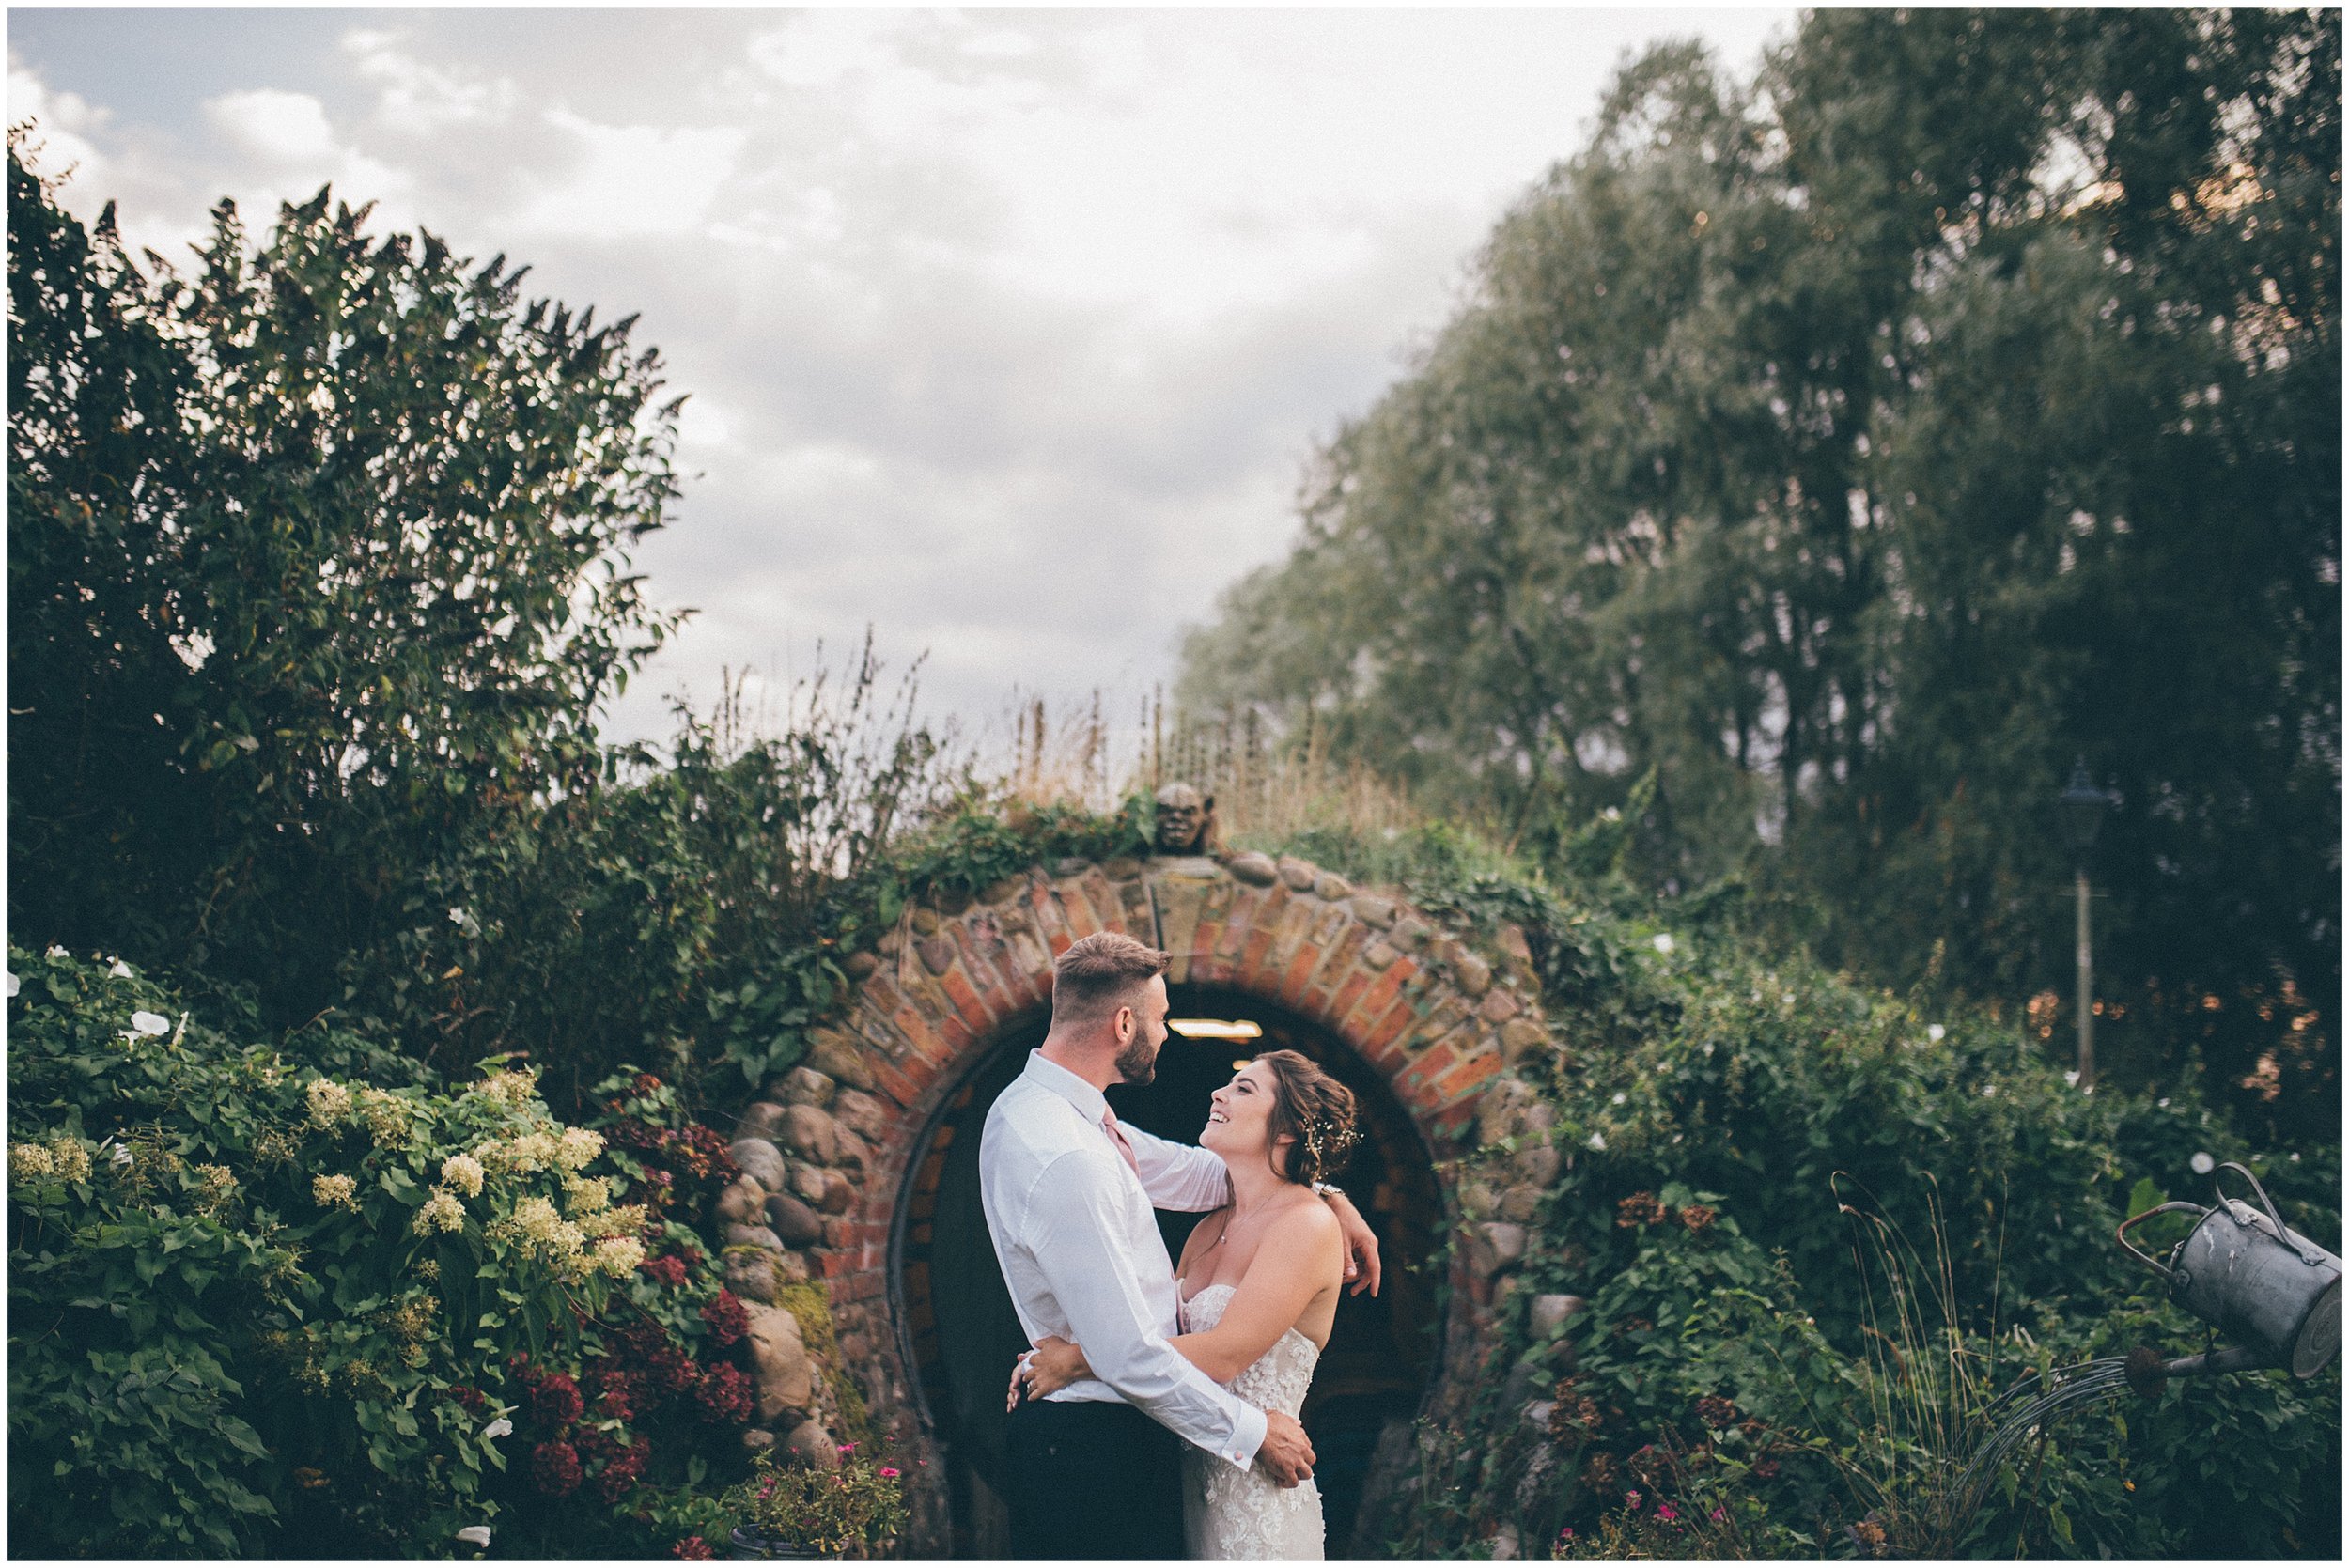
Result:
{"points": [[1007, 332]]}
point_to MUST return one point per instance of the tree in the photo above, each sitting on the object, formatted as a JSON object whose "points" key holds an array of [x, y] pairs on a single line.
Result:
{"points": [[1850, 451], [315, 555]]}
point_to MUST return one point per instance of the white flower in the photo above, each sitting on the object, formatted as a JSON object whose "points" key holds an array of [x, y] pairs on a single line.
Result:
{"points": [[120, 969], [121, 1155], [476, 1535], [441, 1212], [1620, 1097], [1934, 1032], [2202, 1164], [1661, 941], [456, 916], [498, 1428], [334, 1192], [57, 952], [1598, 1140], [328, 1101], [150, 1023], [1788, 998], [2071, 1076], [13, 984], [464, 1173]]}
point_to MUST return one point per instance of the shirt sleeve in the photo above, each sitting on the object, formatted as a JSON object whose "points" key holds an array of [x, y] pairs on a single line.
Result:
{"points": [[1074, 1238], [1179, 1176]]}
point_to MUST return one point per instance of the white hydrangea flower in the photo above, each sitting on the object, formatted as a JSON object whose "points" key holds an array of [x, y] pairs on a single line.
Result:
{"points": [[462, 1172], [30, 1162], [441, 1212], [330, 1102], [70, 1158], [588, 1194], [334, 1192], [618, 1256], [577, 1148]]}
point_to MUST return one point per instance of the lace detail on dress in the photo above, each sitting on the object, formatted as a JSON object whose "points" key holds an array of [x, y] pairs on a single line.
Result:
{"points": [[1230, 1514]]}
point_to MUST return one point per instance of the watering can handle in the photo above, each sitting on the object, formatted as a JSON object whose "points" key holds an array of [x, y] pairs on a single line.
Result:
{"points": [[2298, 1246], [2122, 1235]]}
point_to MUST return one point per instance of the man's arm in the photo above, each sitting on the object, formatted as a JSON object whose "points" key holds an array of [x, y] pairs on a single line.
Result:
{"points": [[1073, 1234]]}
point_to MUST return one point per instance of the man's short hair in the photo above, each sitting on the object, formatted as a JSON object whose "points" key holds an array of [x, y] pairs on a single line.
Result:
{"points": [[1100, 974]]}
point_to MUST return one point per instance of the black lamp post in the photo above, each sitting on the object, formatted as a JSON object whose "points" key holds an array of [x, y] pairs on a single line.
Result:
{"points": [[2083, 806]]}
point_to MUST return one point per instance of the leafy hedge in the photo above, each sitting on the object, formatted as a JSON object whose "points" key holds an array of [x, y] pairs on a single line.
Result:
{"points": [[1845, 1220], [255, 1306]]}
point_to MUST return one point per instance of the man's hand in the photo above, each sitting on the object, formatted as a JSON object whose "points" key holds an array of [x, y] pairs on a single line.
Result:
{"points": [[1286, 1455], [1361, 1247]]}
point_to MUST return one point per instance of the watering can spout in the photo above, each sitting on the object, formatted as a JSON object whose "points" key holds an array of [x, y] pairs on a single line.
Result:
{"points": [[2147, 1373]]}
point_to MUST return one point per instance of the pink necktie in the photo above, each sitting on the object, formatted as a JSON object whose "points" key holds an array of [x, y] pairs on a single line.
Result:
{"points": [[1117, 1136]]}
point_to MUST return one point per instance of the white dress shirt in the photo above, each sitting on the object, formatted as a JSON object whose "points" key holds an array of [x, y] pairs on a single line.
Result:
{"points": [[1073, 1230]]}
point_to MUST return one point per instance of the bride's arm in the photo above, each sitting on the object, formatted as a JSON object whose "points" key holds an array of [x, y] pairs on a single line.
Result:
{"points": [[1301, 1256]]}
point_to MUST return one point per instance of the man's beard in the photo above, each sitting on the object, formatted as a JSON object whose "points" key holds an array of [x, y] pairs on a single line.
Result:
{"points": [[1139, 1062]]}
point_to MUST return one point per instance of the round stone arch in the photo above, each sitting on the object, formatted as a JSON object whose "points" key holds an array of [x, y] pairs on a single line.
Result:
{"points": [[1439, 1024]]}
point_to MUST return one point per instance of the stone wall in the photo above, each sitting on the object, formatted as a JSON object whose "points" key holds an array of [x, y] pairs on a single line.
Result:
{"points": [[826, 1148]]}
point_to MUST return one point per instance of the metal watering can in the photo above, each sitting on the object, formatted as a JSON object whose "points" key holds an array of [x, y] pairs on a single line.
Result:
{"points": [[2254, 1280]]}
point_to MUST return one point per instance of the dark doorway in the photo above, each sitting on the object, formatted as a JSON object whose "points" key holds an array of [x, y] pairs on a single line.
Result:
{"points": [[959, 1317]]}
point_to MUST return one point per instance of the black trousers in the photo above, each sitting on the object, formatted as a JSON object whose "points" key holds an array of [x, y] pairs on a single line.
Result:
{"points": [[1093, 1480]]}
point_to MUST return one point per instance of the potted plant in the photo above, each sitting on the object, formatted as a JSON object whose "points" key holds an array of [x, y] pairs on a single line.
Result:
{"points": [[797, 1511]]}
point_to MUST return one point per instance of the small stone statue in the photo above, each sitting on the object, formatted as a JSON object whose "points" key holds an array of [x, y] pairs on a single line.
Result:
{"points": [[1186, 821]]}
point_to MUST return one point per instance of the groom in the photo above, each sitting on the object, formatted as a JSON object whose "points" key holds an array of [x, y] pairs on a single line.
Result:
{"points": [[1094, 1470]]}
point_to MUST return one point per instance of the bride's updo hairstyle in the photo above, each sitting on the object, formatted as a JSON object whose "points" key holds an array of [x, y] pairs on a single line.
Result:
{"points": [[1314, 1109]]}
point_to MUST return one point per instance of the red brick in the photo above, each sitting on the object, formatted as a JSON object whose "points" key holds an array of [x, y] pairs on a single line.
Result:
{"points": [[1250, 965], [968, 1007], [1301, 970], [1468, 1077], [1211, 970], [897, 1085], [1381, 994], [1398, 1018], [1350, 992], [1081, 920], [1417, 1084]]}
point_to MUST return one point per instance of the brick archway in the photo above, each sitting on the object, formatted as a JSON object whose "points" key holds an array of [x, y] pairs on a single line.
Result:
{"points": [[1440, 1023]]}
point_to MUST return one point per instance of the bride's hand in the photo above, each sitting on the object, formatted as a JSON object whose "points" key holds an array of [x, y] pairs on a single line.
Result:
{"points": [[1051, 1366]]}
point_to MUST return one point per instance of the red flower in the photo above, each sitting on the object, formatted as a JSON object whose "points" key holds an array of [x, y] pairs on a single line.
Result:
{"points": [[725, 1394], [554, 1400], [694, 1549], [554, 1469], [668, 1269], [617, 1391], [621, 1471], [472, 1399], [728, 1319], [673, 1370], [647, 1083]]}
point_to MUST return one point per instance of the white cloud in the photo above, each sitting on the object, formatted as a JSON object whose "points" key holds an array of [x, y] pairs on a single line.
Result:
{"points": [[629, 180], [418, 99]]}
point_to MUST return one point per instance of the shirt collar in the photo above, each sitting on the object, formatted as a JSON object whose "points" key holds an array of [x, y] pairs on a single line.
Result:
{"points": [[1068, 1086]]}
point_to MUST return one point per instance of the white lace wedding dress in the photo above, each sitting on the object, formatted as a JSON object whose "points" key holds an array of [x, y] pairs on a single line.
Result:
{"points": [[1231, 1513]]}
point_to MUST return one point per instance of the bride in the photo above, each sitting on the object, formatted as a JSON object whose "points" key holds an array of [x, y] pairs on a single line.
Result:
{"points": [[1259, 1283]]}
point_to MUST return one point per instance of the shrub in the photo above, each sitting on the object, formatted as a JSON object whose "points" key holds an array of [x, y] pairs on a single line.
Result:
{"points": [[253, 1305]]}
